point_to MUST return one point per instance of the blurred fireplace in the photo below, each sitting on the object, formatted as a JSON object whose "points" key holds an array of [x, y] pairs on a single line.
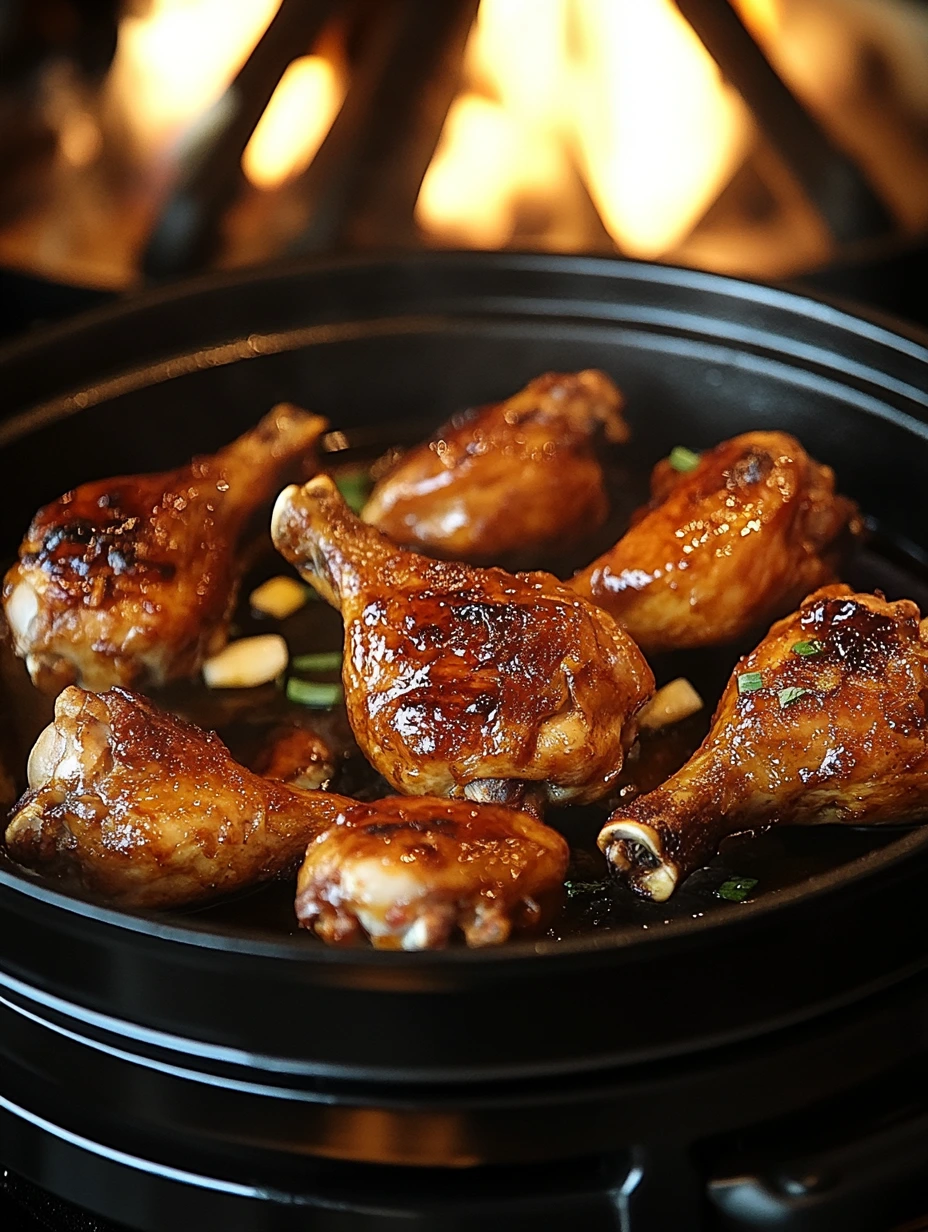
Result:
{"points": [[640, 127]]}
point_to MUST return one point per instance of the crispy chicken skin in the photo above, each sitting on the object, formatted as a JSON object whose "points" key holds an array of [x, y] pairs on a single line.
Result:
{"points": [[832, 728], [736, 541], [410, 873], [132, 580], [465, 681], [507, 483], [145, 810]]}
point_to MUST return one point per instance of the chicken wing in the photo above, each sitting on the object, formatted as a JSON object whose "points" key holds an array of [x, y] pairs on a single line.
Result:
{"points": [[824, 722], [743, 536], [507, 483], [146, 810], [132, 580], [466, 681], [411, 872]]}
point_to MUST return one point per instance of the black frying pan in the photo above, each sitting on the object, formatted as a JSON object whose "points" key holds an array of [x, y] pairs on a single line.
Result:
{"points": [[127, 1011]]}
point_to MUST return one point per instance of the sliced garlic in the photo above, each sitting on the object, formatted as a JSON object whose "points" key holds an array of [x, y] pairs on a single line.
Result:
{"points": [[671, 704], [279, 597], [247, 663]]}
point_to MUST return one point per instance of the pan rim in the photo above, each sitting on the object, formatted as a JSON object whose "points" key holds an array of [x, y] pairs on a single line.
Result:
{"points": [[860, 319], [289, 948]]}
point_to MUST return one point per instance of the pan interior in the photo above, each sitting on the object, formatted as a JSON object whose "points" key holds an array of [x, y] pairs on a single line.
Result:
{"points": [[385, 386]]}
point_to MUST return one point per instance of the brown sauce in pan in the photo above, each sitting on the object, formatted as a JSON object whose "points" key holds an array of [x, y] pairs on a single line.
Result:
{"points": [[245, 718]]}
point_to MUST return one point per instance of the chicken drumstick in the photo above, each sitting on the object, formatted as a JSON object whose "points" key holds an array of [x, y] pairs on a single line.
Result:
{"points": [[132, 580], [466, 681], [510, 482], [826, 721], [410, 872], [146, 810], [741, 537]]}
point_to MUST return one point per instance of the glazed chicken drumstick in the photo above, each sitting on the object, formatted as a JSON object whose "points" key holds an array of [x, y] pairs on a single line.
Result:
{"points": [[410, 872], [740, 538], [465, 681], [132, 580], [510, 483], [825, 722], [146, 810]]}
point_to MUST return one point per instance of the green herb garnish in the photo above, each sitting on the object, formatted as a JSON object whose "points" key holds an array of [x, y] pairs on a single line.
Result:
{"points": [[736, 889], [750, 682], [323, 661], [806, 649], [314, 693], [574, 888], [683, 459], [355, 487], [788, 696]]}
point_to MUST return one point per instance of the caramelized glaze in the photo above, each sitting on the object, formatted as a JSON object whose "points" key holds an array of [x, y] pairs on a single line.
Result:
{"points": [[455, 676], [145, 810], [836, 735], [411, 873], [742, 537], [132, 580], [510, 483]]}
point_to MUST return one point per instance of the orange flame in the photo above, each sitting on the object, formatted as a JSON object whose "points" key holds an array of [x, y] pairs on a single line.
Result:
{"points": [[622, 89], [173, 62], [294, 124]]}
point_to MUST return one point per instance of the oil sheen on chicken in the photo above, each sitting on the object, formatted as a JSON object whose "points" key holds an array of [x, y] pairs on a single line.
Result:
{"points": [[509, 484], [466, 681], [146, 810], [825, 722], [741, 538], [133, 580], [411, 873], [142, 809]]}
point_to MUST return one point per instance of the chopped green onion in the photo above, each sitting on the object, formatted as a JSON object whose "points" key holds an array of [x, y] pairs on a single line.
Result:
{"points": [[574, 888], [788, 696], [736, 889], [806, 649], [313, 693], [355, 487], [750, 682], [323, 661], [683, 459]]}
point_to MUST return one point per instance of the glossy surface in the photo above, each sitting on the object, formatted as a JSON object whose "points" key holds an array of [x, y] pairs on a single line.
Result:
{"points": [[297, 754], [513, 483], [132, 580], [824, 722], [460, 679], [142, 809], [413, 873], [145, 810], [742, 537]]}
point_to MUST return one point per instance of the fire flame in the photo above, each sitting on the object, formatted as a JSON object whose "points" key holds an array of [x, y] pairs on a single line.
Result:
{"points": [[621, 91], [174, 61], [295, 122], [659, 133], [615, 97]]}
